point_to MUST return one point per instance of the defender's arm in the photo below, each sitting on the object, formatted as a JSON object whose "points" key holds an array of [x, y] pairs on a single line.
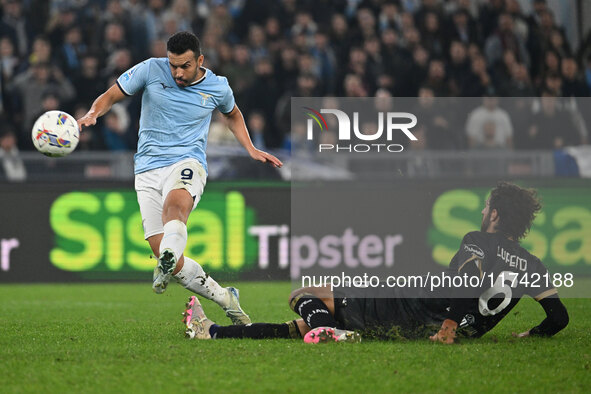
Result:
{"points": [[556, 319]]}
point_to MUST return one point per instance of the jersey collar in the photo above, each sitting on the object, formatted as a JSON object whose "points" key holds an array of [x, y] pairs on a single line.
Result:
{"points": [[200, 79]]}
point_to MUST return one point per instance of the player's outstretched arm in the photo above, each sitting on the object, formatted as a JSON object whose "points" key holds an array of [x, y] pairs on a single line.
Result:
{"points": [[236, 124], [101, 106], [556, 319]]}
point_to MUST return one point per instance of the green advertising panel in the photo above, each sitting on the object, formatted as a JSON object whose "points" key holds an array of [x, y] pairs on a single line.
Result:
{"points": [[244, 231], [560, 235], [102, 230]]}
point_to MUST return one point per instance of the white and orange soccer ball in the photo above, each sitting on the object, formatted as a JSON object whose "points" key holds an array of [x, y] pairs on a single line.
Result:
{"points": [[55, 134]]}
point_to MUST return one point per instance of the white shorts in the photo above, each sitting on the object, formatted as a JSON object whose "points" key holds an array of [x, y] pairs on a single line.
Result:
{"points": [[153, 186]]}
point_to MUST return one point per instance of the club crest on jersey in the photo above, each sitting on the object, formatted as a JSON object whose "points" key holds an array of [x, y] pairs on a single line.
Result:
{"points": [[475, 250], [204, 97]]}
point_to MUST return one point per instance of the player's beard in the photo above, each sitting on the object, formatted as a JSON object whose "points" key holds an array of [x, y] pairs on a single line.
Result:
{"points": [[184, 82], [485, 222]]}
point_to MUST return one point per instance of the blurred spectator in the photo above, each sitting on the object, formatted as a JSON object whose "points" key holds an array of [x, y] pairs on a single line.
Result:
{"points": [[366, 25], [158, 48], [478, 82], [326, 61], [552, 127], [89, 137], [182, 12], [463, 28], [436, 78], [41, 51], [118, 62], [50, 101], [62, 19], [30, 87], [438, 130], [263, 96], [71, 51], [88, 84], [218, 20], [13, 168], [113, 39], [505, 39], [340, 37], [459, 67], [432, 37], [257, 44], [286, 71], [307, 86], [9, 62], [240, 72], [389, 16], [154, 19], [573, 85], [115, 129], [256, 128], [15, 26], [219, 133], [553, 83], [520, 84], [489, 126]]}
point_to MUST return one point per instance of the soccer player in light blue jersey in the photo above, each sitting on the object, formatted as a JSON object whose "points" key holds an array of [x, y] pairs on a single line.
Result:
{"points": [[179, 96]]}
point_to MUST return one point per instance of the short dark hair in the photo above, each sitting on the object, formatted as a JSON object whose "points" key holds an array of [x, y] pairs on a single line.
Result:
{"points": [[517, 208], [183, 41]]}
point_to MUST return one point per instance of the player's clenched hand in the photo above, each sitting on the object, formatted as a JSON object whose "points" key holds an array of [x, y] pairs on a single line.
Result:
{"points": [[266, 157], [447, 332], [86, 121]]}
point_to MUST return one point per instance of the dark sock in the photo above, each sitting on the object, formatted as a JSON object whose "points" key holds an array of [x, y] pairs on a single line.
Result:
{"points": [[314, 312], [256, 331]]}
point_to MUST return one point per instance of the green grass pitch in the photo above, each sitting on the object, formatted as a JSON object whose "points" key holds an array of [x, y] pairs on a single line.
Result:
{"points": [[124, 338]]}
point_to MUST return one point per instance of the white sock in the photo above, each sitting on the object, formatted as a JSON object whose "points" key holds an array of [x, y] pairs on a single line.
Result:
{"points": [[175, 238], [192, 277]]}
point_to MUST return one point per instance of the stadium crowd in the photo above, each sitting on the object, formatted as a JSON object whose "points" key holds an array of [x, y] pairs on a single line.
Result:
{"points": [[62, 54]]}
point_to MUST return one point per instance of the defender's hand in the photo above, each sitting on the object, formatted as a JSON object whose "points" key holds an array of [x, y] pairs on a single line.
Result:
{"points": [[266, 157], [447, 332], [86, 121]]}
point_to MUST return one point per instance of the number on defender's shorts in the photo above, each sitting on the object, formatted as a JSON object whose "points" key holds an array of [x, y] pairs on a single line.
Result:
{"points": [[187, 173], [502, 285]]}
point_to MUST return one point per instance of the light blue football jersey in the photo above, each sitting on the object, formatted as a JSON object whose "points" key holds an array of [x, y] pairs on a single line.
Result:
{"points": [[174, 121]]}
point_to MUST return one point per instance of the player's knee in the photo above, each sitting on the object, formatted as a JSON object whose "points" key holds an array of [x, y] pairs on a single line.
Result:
{"points": [[292, 296], [310, 292], [178, 205]]}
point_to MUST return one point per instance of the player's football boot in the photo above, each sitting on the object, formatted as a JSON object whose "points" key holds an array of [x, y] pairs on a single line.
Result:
{"points": [[329, 334], [197, 323], [233, 310], [163, 271]]}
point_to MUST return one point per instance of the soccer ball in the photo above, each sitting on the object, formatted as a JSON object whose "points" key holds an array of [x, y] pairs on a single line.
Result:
{"points": [[55, 134]]}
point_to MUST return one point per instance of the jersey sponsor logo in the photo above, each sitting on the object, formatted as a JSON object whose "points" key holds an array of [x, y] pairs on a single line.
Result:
{"points": [[204, 97], [475, 250], [165, 86]]}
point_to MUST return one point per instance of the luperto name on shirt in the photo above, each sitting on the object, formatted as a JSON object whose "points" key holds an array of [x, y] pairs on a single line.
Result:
{"points": [[511, 259]]}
